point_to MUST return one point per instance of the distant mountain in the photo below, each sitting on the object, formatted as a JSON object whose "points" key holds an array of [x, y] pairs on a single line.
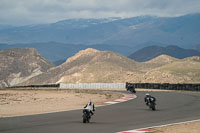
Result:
{"points": [[197, 47], [136, 32], [19, 65], [72, 31], [182, 31], [2, 26], [150, 52], [59, 62]]}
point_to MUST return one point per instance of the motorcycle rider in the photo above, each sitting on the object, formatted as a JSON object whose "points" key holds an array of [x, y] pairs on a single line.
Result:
{"points": [[90, 108], [148, 98], [130, 87]]}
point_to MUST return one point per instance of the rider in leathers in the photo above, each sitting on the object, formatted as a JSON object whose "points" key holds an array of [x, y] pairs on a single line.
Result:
{"points": [[90, 107], [148, 98]]}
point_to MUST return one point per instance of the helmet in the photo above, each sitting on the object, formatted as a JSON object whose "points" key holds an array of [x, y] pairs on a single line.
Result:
{"points": [[147, 94]]}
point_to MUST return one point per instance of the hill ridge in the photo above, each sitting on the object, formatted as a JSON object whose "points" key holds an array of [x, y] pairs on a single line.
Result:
{"points": [[90, 65], [19, 65], [150, 52]]}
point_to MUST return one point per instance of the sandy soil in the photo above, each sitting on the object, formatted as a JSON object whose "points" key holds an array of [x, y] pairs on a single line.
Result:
{"points": [[24, 102], [191, 127]]}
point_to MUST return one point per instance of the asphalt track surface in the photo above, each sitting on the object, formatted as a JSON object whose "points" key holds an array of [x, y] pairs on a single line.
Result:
{"points": [[171, 107]]}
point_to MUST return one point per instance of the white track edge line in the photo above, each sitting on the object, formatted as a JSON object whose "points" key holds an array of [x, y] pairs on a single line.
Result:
{"points": [[171, 124]]}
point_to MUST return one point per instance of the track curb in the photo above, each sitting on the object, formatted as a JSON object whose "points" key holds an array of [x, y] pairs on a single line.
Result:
{"points": [[150, 129]]}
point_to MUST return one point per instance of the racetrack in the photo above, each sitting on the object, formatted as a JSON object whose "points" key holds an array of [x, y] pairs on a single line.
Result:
{"points": [[171, 107]]}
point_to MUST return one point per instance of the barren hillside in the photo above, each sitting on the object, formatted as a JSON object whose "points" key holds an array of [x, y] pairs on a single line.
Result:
{"points": [[91, 65], [88, 65], [159, 61], [19, 65]]}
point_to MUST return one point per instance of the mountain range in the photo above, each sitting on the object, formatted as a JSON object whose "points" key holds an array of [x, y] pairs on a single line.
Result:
{"points": [[150, 52], [182, 31], [197, 47], [92, 65], [124, 36], [26, 66]]}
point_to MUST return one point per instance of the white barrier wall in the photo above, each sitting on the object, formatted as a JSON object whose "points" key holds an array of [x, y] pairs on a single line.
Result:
{"points": [[94, 86]]}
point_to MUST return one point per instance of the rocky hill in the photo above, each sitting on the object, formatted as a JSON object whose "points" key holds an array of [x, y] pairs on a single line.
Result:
{"points": [[182, 71], [159, 61], [19, 65], [92, 65], [88, 65]]}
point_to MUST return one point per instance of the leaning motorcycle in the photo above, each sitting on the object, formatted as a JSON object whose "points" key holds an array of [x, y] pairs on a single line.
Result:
{"points": [[131, 88], [152, 105], [86, 116]]}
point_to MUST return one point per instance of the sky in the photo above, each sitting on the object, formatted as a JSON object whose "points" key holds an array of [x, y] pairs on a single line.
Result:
{"points": [[25, 12]]}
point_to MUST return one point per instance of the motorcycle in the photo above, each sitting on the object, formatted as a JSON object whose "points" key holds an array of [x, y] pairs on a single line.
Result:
{"points": [[131, 88], [152, 105], [86, 116]]}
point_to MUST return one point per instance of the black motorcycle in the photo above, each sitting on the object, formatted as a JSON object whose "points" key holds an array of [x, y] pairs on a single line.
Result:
{"points": [[150, 101], [152, 105], [131, 88], [86, 116]]}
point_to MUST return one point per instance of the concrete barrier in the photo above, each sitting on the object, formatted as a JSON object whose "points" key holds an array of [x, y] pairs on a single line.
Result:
{"points": [[36, 86], [94, 86], [166, 86], [114, 86]]}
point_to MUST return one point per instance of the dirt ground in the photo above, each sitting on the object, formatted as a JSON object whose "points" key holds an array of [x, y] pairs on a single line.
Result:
{"points": [[191, 127], [25, 102]]}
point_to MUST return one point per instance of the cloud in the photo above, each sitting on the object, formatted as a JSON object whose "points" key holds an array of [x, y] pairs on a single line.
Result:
{"points": [[21, 12]]}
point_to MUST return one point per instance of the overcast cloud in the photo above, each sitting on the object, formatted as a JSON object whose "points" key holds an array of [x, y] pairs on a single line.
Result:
{"points": [[22, 12]]}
